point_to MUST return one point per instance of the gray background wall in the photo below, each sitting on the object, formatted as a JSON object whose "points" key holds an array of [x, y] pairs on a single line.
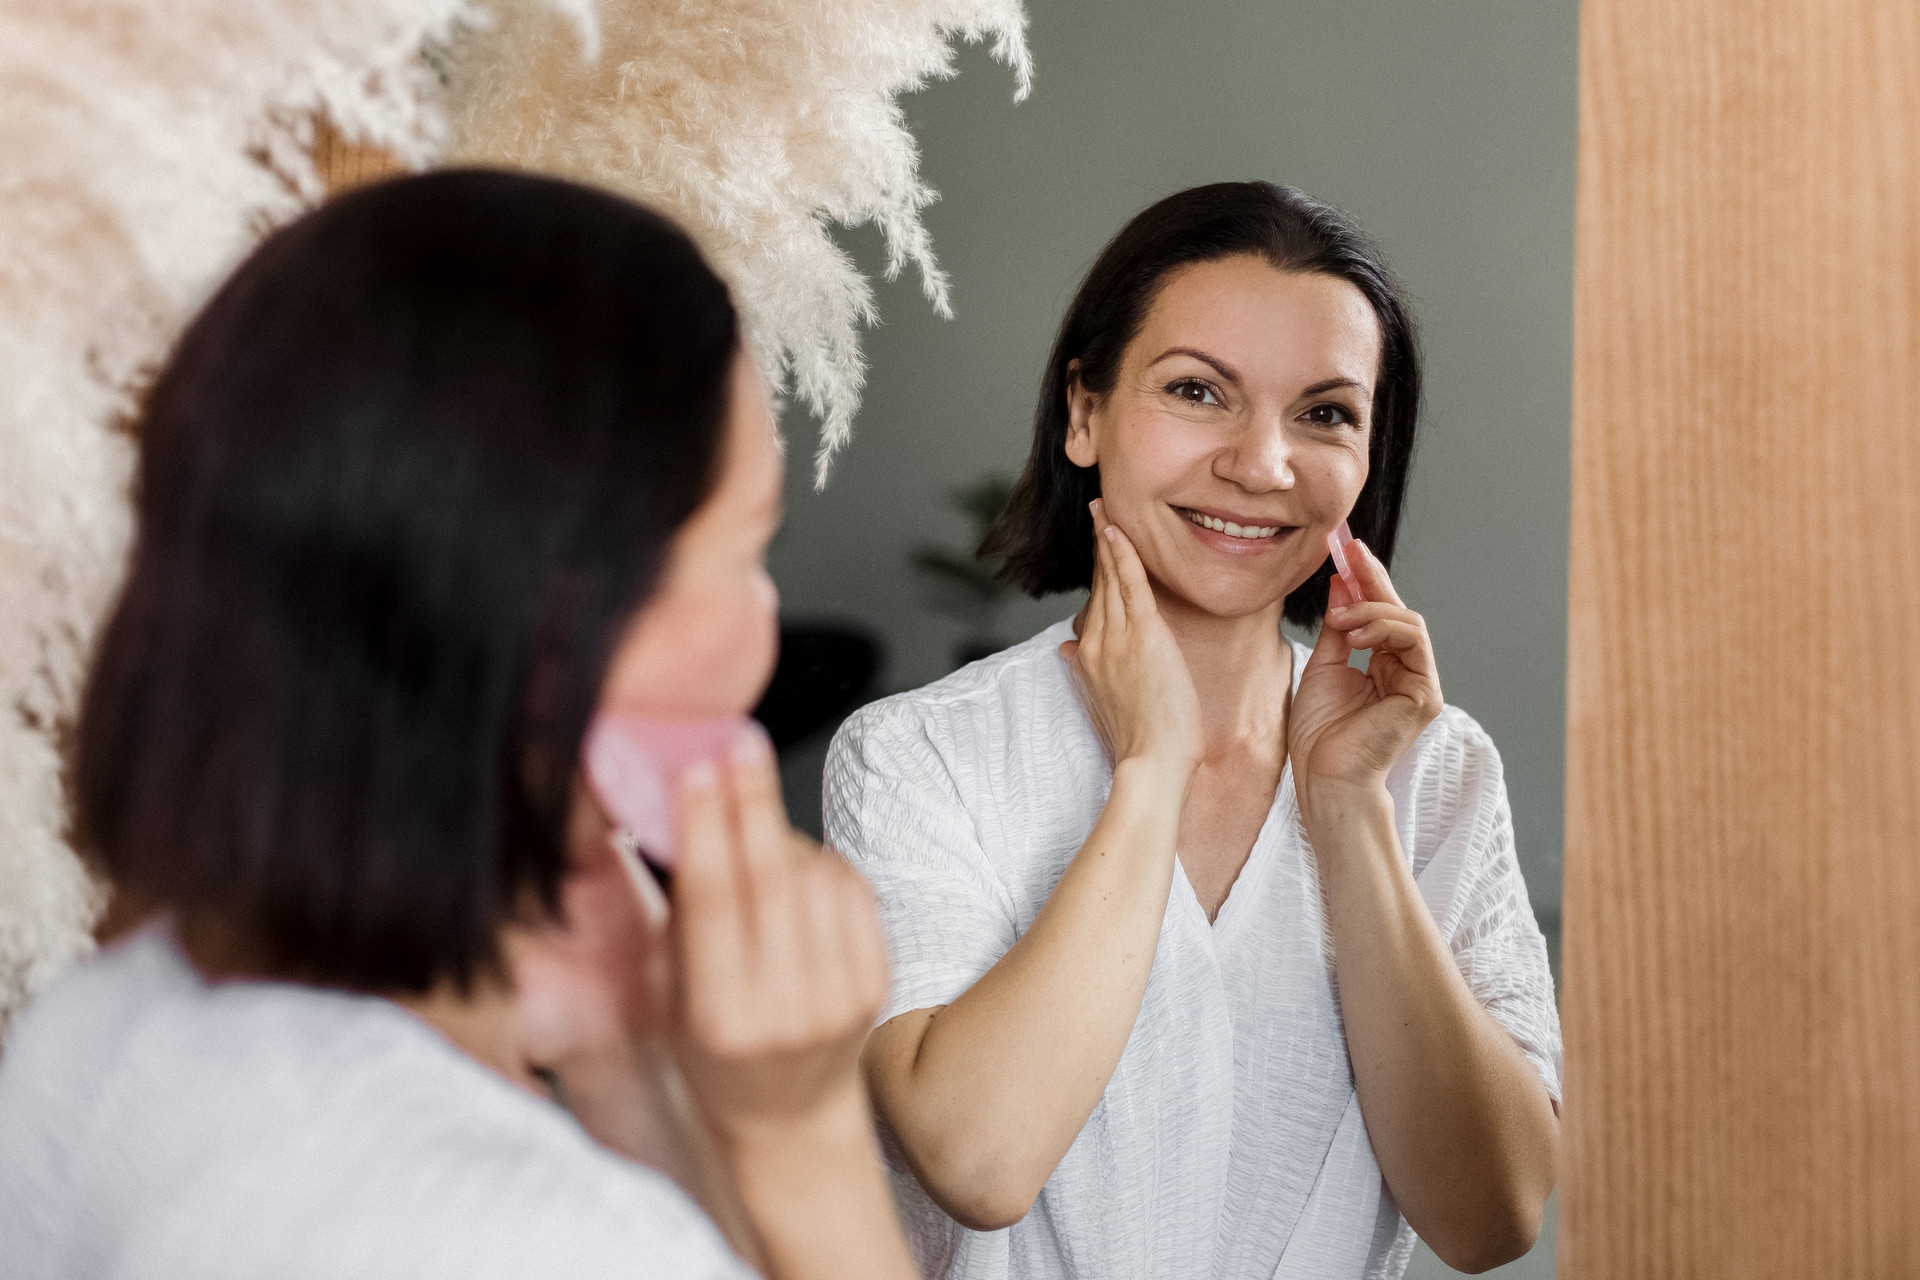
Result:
{"points": [[1448, 130]]}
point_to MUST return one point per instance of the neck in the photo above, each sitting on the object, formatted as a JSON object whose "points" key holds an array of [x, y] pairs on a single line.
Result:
{"points": [[1242, 670], [480, 1023]]}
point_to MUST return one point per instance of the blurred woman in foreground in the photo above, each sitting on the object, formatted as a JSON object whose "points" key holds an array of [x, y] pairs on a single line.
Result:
{"points": [[444, 469]]}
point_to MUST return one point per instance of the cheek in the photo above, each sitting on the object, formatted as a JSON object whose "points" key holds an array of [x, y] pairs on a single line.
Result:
{"points": [[1331, 479], [709, 652], [1148, 455]]}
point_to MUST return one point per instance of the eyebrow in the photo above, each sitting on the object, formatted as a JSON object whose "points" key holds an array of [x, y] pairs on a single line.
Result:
{"points": [[1231, 374], [1333, 384], [1226, 371]]}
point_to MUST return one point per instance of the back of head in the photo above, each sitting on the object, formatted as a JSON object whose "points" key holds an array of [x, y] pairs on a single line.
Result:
{"points": [[402, 484]]}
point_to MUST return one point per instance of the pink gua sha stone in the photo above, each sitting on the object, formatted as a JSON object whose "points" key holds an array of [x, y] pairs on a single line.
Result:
{"points": [[1337, 547], [635, 763]]}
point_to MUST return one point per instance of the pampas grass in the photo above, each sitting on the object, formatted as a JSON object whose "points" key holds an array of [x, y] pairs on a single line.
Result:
{"points": [[755, 123], [145, 145], [143, 148]]}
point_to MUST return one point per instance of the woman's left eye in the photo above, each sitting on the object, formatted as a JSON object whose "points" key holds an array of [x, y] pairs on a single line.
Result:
{"points": [[1329, 414], [1193, 391]]}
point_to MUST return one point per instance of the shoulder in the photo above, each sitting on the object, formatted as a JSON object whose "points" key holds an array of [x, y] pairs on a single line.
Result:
{"points": [[1450, 792], [1454, 751], [977, 712], [1456, 746], [304, 1124]]}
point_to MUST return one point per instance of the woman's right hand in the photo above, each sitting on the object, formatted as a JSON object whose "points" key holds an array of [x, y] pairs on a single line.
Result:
{"points": [[1130, 672], [781, 967], [780, 956]]}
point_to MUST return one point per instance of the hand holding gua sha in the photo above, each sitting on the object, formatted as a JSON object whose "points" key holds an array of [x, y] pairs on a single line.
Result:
{"points": [[1337, 547], [635, 763]]}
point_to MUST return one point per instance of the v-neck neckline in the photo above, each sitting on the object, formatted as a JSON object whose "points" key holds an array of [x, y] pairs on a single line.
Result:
{"points": [[1246, 884], [1281, 809]]}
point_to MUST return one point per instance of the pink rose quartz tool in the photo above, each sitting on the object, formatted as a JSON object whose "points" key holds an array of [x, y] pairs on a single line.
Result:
{"points": [[635, 763], [1337, 547]]}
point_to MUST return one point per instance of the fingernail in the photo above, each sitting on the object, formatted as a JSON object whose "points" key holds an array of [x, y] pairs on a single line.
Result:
{"points": [[1113, 534], [750, 745], [700, 776]]}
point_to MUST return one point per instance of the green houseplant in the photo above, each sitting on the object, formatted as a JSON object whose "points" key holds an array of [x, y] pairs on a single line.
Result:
{"points": [[960, 584]]}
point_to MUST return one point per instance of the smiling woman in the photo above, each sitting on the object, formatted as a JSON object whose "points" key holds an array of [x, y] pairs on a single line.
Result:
{"points": [[1211, 954], [1299, 251]]}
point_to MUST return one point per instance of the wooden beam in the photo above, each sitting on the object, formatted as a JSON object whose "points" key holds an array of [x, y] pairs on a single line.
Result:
{"points": [[344, 164], [1742, 927]]}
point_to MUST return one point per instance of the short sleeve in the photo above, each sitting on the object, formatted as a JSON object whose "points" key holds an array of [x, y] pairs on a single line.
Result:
{"points": [[891, 808], [1469, 874]]}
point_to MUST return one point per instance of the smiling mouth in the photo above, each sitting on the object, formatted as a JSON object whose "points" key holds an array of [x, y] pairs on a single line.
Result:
{"points": [[1250, 532]]}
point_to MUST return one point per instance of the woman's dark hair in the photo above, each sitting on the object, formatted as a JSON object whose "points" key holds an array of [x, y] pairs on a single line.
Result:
{"points": [[1044, 540], [402, 484]]}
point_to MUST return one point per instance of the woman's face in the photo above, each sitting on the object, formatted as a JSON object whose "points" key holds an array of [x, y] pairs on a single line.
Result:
{"points": [[1245, 401], [704, 644], [706, 640]]}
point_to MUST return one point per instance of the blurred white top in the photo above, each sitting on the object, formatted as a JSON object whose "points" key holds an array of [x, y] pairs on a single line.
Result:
{"points": [[153, 1125], [1229, 1142]]}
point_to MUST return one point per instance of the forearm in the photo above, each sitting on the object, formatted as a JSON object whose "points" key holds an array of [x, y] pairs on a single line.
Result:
{"points": [[987, 1094], [1464, 1130], [817, 1199]]}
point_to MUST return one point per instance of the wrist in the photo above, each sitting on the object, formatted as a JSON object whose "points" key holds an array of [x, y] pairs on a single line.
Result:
{"points": [[1329, 804], [1156, 771], [774, 1154], [814, 1187]]}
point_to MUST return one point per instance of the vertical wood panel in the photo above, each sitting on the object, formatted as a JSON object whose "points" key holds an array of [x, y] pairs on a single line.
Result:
{"points": [[1742, 927]]}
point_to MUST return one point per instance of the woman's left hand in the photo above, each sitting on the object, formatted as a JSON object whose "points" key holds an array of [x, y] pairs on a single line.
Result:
{"points": [[1348, 727]]}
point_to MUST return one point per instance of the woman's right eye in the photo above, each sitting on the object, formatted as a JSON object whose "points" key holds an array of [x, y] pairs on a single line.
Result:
{"points": [[1193, 391]]}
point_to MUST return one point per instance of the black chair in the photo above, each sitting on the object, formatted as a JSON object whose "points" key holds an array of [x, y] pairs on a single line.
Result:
{"points": [[825, 671]]}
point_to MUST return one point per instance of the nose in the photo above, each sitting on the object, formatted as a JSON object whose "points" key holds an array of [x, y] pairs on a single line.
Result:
{"points": [[1259, 459]]}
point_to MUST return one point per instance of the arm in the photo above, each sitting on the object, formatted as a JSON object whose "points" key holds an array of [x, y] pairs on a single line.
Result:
{"points": [[1465, 1132], [986, 1094], [721, 1041], [782, 969]]}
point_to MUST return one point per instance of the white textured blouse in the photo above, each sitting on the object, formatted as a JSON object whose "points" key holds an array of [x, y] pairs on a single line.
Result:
{"points": [[154, 1126], [1229, 1142]]}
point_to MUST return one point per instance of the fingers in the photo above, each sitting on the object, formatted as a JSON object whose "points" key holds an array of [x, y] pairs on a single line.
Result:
{"points": [[1110, 607], [709, 918], [1331, 647], [1135, 590], [759, 818], [1371, 574], [783, 956], [1395, 635]]}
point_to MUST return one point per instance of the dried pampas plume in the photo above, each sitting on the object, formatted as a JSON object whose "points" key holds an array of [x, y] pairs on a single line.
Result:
{"points": [[145, 145], [756, 124]]}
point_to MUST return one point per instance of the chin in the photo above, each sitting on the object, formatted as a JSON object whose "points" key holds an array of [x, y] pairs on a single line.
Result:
{"points": [[1228, 600]]}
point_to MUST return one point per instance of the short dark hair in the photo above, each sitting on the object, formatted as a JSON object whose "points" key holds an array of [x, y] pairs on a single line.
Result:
{"points": [[402, 484], [1044, 540]]}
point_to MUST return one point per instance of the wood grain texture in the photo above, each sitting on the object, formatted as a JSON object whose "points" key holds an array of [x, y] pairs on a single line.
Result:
{"points": [[1742, 927]]}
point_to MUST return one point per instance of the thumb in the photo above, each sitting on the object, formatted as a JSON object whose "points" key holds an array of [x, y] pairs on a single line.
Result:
{"points": [[1067, 649]]}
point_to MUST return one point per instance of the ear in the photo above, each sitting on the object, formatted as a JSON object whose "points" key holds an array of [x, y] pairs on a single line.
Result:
{"points": [[1081, 405]]}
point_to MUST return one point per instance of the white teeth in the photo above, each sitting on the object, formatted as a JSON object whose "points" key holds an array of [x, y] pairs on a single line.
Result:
{"points": [[1231, 529]]}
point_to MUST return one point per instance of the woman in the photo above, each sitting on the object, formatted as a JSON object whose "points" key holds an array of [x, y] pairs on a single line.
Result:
{"points": [[445, 467], [1211, 954]]}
